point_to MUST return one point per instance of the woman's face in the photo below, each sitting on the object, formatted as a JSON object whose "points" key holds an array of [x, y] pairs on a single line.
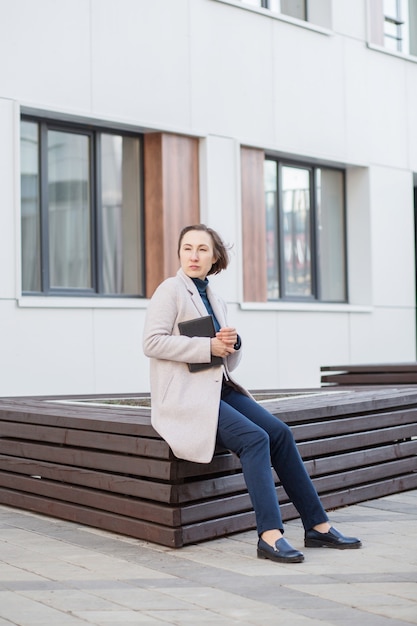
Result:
{"points": [[197, 253]]}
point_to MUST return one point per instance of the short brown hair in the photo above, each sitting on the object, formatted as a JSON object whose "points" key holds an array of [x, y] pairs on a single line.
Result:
{"points": [[220, 249]]}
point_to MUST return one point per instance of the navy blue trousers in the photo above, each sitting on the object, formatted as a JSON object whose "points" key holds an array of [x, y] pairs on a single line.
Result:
{"points": [[260, 440]]}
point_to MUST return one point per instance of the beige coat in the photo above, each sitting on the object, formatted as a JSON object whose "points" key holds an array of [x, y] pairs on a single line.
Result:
{"points": [[185, 405]]}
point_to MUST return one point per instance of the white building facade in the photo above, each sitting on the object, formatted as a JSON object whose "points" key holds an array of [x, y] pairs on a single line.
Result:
{"points": [[288, 126]]}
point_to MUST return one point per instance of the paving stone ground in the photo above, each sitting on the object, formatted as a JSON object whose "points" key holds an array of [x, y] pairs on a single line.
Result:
{"points": [[62, 574]]}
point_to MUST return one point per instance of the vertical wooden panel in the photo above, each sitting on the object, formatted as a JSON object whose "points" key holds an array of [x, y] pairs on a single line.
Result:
{"points": [[153, 198], [181, 192], [171, 200], [253, 225]]}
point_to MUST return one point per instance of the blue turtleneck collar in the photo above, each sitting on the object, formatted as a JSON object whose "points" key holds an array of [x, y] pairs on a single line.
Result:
{"points": [[202, 290], [201, 284]]}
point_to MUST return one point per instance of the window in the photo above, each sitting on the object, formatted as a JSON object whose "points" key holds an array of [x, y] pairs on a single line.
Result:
{"points": [[81, 210], [395, 25], [305, 232], [293, 8]]}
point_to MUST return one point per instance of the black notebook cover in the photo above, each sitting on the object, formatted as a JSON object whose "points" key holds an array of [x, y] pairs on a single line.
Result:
{"points": [[200, 327]]}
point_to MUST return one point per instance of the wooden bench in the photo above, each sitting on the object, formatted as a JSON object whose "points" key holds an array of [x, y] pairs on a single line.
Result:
{"points": [[372, 374], [103, 465]]}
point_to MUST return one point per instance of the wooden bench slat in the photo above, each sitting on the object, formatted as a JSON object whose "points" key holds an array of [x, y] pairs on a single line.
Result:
{"points": [[377, 374], [338, 405], [372, 367], [106, 481], [369, 492], [137, 528], [363, 475], [356, 424], [355, 441], [365, 378], [119, 463], [361, 458], [85, 439], [135, 422], [141, 509]]}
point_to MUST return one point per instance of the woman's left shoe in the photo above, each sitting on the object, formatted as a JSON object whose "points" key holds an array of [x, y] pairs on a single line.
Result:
{"points": [[332, 539]]}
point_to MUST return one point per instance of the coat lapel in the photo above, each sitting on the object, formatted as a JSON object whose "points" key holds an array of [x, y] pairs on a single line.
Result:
{"points": [[197, 301], [193, 292], [217, 309]]}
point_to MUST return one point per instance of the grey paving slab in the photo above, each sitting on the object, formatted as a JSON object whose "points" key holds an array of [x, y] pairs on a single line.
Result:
{"points": [[55, 572]]}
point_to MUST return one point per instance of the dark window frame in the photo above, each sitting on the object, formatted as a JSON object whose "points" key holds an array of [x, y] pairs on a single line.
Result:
{"points": [[315, 296], [94, 133]]}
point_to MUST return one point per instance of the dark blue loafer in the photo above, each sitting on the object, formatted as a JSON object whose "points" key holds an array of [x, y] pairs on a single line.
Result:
{"points": [[283, 552], [332, 539]]}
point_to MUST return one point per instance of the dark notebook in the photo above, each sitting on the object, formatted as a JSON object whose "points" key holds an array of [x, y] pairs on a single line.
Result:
{"points": [[200, 327]]}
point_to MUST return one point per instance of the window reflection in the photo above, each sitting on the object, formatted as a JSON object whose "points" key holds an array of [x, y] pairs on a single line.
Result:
{"points": [[121, 227], [30, 211], [292, 8], [296, 227], [331, 238], [272, 240], [69, 210]]}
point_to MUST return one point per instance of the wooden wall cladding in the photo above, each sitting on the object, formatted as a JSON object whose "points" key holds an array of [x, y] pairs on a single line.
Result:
{"points": [[253, 225], [171, 200]]}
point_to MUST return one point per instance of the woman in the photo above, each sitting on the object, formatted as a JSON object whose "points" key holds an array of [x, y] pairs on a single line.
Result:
{"points": [[194, 411]]}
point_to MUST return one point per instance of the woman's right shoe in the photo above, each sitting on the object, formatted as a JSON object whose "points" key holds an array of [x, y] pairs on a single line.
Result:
{"points": [[283, 552], [331, 539]]}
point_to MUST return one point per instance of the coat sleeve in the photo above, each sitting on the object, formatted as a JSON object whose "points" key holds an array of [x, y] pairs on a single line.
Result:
{"points": [[233, 360], [161, 338]]}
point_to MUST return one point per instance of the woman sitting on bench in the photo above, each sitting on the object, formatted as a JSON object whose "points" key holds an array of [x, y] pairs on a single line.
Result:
{"points": [[195, 409]]}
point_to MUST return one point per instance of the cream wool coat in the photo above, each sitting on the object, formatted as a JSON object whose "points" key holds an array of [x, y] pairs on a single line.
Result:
{"points": [[185, 405]]}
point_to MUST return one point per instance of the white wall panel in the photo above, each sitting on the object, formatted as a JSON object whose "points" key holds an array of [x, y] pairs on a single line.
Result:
{"points": [[45, 351], [232, 72], [9, 264], [392, 219], [220, 205], [357, 101], [309, 92], [387, 336], [362, 341], [45, 47], [286, 349], [349, 18], [140, 61], [262, 353], [387, 110], [119, 363], [411, 116], [306, 342], [78, 351]]}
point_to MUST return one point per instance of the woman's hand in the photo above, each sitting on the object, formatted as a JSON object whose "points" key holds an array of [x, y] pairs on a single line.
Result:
{"points": [[227, 335], [222, 344]]}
